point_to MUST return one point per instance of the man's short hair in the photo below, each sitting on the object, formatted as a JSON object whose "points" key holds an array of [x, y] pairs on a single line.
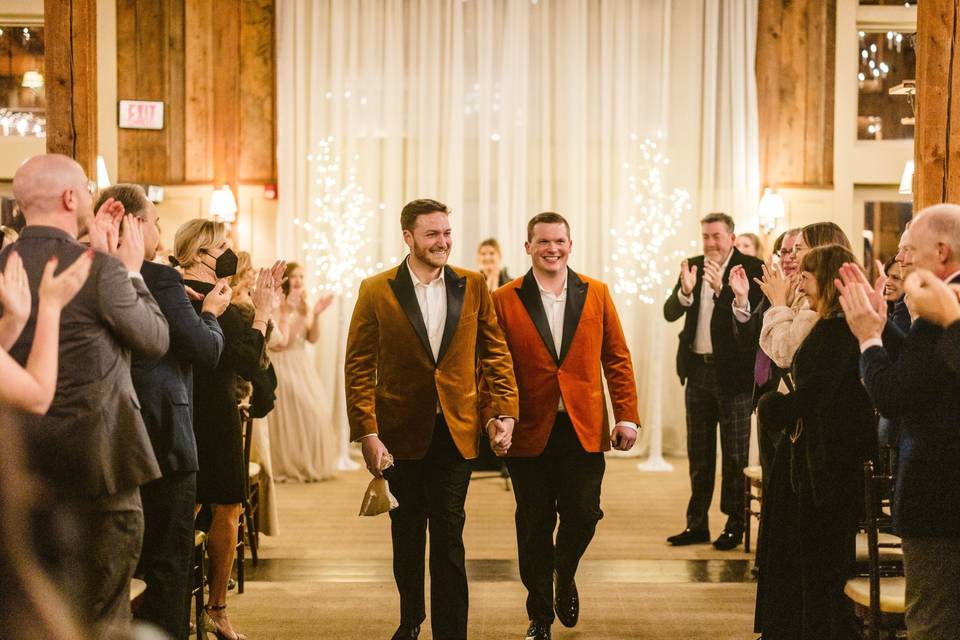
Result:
{"points": [[547, 217], [416, 208], [131, 196], [718, 217]]}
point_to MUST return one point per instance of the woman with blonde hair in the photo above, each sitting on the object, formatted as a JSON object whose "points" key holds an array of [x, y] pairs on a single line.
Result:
{"points": [[814, 495], [750, 244], [202, 250], [303, 442]]}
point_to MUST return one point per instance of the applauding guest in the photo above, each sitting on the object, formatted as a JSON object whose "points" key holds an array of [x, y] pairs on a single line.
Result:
{"points": [[91, 447], [718, 372]]}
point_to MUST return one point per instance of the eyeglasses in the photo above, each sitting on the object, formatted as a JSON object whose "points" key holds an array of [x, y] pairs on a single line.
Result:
{"points": [[788, 252]]}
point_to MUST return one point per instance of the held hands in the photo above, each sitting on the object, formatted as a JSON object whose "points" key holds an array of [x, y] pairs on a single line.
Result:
{"points": [[740, 285], [931, 298], [863, 306], [777, 286], [713, 275], [623, 438], [217, 301], [500, 432], [58, 290], [373, 452], [15, 291], [688, 278]]}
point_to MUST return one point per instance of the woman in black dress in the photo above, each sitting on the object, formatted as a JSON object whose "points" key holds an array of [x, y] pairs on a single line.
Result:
{"points": [[201, 249], [813, 498]]}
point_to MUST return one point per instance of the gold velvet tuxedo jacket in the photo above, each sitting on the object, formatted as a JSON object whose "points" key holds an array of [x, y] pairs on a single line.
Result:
{"points": [[394, 385]]}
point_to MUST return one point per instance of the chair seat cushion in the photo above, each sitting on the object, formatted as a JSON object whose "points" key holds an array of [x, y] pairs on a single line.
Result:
{"points": [[892, 593], [887, 554], [137, 587]]}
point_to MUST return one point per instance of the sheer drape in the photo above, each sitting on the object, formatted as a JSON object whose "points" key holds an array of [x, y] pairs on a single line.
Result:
{"points": [[504, 108]]}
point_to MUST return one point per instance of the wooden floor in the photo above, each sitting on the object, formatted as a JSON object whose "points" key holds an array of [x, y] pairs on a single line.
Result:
{"points": [[328, 573]]}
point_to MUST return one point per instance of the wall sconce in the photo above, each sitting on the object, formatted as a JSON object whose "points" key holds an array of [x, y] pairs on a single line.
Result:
{"points": [[906, 180], [32, 80], [103, 180], [771, 209], [223, 205]]}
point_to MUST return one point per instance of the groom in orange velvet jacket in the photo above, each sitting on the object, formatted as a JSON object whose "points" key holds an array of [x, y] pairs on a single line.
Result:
{"points": [[562, 330]]}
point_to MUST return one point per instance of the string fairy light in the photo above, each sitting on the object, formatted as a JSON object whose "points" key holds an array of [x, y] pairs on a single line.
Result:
{"points": [[639, 266], [335, 234]]}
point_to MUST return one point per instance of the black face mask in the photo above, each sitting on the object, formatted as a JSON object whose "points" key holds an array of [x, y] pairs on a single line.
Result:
{"points": [[226, 265]]}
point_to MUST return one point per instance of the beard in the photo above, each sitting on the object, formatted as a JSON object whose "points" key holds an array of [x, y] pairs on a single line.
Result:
{"points": [[433, 258]]}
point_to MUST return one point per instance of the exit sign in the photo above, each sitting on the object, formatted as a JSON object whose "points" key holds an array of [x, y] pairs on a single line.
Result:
{"points": [[141, 114]]}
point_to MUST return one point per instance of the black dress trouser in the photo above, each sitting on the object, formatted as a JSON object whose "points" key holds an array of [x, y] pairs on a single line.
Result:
{"points": [[166, 563], [431, 493], [562, 481]]}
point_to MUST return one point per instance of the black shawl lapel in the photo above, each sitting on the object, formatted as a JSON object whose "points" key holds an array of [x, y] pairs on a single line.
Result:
{"points": [[403, 289], [529, 294], [576, 295], [456, 288]]}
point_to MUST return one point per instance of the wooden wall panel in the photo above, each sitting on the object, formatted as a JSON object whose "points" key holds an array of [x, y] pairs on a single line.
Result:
{"points": [[795, 76], [937, 143], [70, 71], [257, 99], [212, 63]]}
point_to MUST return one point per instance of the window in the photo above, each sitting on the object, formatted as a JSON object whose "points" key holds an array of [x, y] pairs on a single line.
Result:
{"points": [[22, 97], [886, 60]]}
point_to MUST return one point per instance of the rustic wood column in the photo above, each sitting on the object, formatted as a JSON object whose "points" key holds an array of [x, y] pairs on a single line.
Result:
{"points": [[936, 151], [70, 75]]}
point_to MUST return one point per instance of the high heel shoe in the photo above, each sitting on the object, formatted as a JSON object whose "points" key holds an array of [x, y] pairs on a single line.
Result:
{"points": [[214, 627]]}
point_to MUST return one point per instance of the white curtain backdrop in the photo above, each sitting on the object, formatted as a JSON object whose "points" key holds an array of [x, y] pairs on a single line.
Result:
{"points": [[502, 109]]}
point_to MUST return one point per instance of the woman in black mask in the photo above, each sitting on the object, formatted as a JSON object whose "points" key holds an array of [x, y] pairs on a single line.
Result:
{"points": [[201, 249]]}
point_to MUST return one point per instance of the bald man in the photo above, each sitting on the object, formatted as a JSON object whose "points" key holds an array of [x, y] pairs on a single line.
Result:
{"points": [[91, 449], [920, 387]]}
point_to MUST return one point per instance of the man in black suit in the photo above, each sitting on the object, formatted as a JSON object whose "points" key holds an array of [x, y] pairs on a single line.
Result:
{"points": [[908, 378], [91, 449], [164, 387], [718, 372]]}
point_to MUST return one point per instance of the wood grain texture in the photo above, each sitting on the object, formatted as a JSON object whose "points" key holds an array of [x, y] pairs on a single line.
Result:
{"points": [[70, 71], [936, 63], [212, 64], [795, 76]]}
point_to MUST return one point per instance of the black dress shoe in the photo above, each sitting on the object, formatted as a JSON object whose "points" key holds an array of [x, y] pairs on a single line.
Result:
{"points": [[727, 540], [566, 602], [406, 633], [538, 631], [689, 536]]}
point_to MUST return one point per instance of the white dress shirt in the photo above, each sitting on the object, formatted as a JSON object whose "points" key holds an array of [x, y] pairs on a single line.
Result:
{"points": [[432, 299], [554, 306], [702, 341]]}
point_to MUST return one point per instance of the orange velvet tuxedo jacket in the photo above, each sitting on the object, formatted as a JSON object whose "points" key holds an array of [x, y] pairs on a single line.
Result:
{"points": [[392, 382], [592, 342]]}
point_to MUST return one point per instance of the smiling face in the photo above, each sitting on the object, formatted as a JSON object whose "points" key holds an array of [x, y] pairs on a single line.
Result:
{"points": [[431, 239], [746, 245], [296, 279], [718, 240], [893, 288], [788, 254], [549, 247], [808, 285], [489, 259]]}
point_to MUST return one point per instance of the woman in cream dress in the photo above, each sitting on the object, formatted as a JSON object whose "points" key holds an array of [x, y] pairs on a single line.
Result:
{"points": [[302, 438]]}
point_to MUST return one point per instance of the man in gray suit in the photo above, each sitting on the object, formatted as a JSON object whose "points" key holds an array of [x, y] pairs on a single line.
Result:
{"points": [[91, 450]]}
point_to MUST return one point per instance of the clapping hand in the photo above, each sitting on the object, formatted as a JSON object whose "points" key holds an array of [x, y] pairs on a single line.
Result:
{"points": [[130, 251], [322, 304], [688, 278], [863, 306], [713, 275], [500, 432], [740, 285], [58, 290], [217, 301], [777, 286], [15, 295], [104, 229], [931, 298], [264, 293]]}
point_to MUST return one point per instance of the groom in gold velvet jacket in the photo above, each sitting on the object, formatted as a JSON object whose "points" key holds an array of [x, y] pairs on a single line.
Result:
{"points": [[418, 333]]}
